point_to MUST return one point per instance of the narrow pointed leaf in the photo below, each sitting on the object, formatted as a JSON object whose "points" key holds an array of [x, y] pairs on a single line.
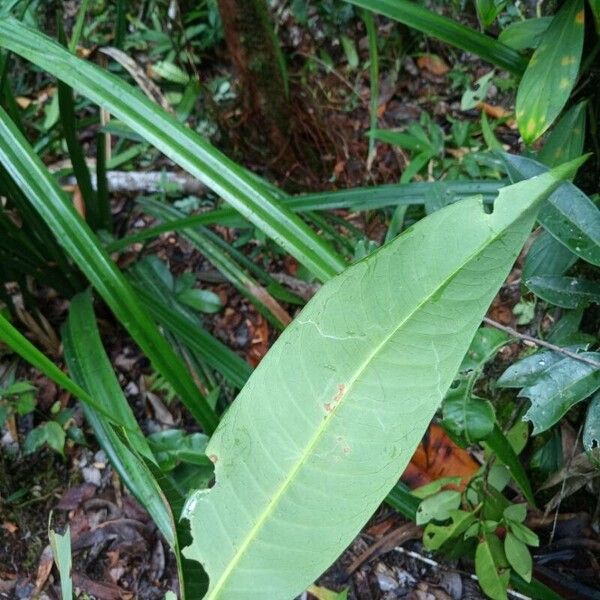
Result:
{"points": [[552, 71], [346, 394], [91, 368], [559, 388], [405, 194], [565, 141], [180, 143], [500, 446], [567, 292], [29, 353], [569, 215], [79, 241], [547, 256], [61, 551]]}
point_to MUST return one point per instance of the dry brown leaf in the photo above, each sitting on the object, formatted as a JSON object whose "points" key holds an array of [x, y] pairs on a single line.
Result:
{"points": [[139, 75], [23, 102], [44, 569], [432, 63], [496, 112], [10, 527], [438, 456]]}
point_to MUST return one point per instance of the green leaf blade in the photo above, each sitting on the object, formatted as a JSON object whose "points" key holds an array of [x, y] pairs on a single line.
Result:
{"points": [[518, 556], [251, 199], [354, 404], [79, 241], [551, 73]]}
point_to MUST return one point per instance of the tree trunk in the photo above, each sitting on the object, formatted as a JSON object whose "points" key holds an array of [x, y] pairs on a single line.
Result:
{"points": [[260, 65]]}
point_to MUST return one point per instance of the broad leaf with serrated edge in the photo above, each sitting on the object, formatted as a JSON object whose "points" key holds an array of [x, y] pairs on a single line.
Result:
{"points": [[551, 72], [330, 418]]}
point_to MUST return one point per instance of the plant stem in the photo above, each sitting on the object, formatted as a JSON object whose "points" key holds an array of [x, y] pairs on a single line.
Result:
{"points": [[538, 342]]}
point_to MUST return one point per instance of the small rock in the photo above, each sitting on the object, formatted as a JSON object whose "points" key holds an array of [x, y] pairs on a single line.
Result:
{"points": [[91, 475], [132, 389]]}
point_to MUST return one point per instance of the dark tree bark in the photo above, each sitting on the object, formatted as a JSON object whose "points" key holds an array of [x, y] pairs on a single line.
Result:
{"points": [[255, 53]]}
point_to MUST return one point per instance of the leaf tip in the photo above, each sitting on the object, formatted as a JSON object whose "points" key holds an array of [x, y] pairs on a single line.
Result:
{"points": [[569, 169]]}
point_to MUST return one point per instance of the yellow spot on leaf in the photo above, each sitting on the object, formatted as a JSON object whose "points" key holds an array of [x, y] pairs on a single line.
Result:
{"points": [[531, 127], [558, 153], [580, 17], [564, 83], [568, 60]]}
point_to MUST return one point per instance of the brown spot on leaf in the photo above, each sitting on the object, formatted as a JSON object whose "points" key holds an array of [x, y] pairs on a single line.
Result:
{"points": [[330, 406], [213, 458]]}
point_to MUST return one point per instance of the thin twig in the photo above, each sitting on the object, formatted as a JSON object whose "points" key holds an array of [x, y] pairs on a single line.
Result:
{"points": [[437, 565], [538, 342]]}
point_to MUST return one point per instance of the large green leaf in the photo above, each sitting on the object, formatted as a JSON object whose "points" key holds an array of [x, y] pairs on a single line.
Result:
{"points": [[568, 292], [79, 241], [435, 25], [345, 395], [547, 256], [558, 388], [551, 73], [553, 382], [181, 144], [569, 215]]}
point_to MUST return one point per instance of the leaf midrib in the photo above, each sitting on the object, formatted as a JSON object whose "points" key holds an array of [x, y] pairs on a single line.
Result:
{"points": [[323, 426]]}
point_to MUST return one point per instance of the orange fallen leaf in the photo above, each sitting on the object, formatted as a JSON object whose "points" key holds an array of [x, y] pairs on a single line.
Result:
{"points": [[496, 112], [438, 456], [23, 102], [432, 63], [44, 569], [10, 527]]}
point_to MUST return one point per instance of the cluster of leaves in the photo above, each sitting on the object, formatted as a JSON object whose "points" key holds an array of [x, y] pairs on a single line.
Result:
{"points": [[345, 394]]}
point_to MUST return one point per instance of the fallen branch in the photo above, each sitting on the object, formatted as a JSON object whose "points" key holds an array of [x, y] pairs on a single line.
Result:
{"points": [[149, 181]]}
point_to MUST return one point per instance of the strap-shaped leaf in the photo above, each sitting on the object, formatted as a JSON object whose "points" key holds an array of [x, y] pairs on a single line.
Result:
{"points": [[91, 368], [345, 394], [85, 249], [182, 145], [551, 73]]}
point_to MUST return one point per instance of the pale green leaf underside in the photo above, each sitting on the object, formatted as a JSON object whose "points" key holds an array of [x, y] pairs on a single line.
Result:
{"points": [[330, 418]]}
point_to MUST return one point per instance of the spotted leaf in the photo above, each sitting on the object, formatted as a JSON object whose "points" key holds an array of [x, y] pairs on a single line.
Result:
{"points": [[551, 73]]}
